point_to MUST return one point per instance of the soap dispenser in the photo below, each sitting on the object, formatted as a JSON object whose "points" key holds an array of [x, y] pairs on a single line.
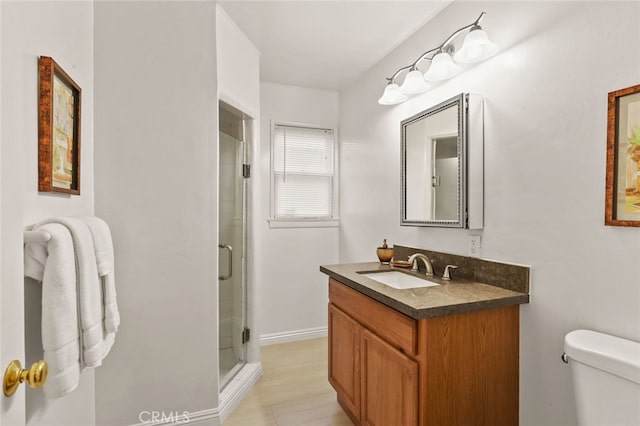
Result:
{"points": [[384, 253]]}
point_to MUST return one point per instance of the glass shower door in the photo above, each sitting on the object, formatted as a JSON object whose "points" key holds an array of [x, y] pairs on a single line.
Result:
{"points": [[232, 256], [445, 178]]}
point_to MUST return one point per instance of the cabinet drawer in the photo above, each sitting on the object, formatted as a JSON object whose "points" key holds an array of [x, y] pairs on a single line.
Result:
{"points": [[392, 326]]}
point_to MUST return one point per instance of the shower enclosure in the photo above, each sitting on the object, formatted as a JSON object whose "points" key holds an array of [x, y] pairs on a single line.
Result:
{"points": [[232, 237]]}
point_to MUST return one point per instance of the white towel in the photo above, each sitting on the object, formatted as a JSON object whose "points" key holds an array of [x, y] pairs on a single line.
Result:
{"points": [[55, 266], [95, 342], [102, 244], [104, 257]]}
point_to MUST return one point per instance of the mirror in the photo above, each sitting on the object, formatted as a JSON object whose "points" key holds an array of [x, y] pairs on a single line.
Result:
{"points": [[434, 165]]}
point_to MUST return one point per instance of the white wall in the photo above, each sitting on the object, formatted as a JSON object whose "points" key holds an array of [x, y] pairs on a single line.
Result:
{"points": [[292, 292], [156, 179], [545, 143], [238, 66], [64, 31]]}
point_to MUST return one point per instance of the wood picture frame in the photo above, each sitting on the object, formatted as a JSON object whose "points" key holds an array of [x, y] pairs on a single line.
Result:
{"points": [[59, 108], [622, 191]]}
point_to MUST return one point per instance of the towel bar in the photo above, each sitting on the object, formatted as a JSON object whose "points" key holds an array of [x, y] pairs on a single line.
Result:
{"points": [[40, 237]]}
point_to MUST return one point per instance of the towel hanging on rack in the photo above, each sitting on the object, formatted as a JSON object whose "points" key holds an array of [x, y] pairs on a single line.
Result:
{"points": [[55, 266], [92, 287]]}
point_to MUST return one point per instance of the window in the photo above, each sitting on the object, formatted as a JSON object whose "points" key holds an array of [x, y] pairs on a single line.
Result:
{"points": [[303, 181]]}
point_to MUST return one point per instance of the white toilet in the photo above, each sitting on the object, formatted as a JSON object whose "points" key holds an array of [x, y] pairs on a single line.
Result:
{"points": [[606, 378]]}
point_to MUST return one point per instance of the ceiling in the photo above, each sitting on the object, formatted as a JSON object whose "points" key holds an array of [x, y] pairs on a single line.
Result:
{"points": [[326, 44]]}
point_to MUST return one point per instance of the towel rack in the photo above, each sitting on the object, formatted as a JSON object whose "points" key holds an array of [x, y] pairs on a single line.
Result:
{"points": [[40, 237]]}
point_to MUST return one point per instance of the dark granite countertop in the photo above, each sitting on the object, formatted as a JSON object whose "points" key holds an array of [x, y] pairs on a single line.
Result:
{"points": [[451, 297]]}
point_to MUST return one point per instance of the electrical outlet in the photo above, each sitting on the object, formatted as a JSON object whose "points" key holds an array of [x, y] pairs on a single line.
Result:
{"points": [[474, 245]]}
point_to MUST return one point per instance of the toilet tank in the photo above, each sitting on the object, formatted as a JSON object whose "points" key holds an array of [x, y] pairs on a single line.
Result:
{"points": [[606, 378]]}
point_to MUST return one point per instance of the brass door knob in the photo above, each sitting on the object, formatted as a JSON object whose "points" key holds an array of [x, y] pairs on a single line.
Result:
{"points": [[14, 375]]}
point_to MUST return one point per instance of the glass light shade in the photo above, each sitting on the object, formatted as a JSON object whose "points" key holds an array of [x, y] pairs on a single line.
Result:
{"points": [[442, 67], [392, 95], [476, 47], [414, 83]]}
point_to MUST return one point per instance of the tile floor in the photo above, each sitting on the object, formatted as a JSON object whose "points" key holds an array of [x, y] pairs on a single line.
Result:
{"points": [[293, 390]]}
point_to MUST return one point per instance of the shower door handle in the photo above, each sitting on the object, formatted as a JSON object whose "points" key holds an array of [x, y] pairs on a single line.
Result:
{"points": [[230, 274]]}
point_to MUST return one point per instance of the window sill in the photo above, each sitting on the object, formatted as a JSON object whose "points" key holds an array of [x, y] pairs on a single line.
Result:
{"points": [[299, 223]]}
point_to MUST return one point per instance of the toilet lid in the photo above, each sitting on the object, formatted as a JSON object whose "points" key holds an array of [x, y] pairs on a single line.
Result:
{"points": [[612, 354]]}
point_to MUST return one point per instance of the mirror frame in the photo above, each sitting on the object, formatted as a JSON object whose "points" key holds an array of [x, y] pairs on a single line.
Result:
{"points": [[461, 220]]}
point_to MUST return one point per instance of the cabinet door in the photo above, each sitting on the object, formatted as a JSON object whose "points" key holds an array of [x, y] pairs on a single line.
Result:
{"points": [[344, 359], [389, 384]]}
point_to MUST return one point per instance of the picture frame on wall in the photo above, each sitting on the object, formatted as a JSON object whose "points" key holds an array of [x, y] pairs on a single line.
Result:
{"points": [[59, 108], [622, 197]]}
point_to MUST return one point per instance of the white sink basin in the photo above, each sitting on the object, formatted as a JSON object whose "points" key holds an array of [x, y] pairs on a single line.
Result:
{"points": [[398, 279]]}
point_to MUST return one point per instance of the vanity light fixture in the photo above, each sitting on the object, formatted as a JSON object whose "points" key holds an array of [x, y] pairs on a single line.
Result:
{"points": [[476, 47], [442, 67], [414, 83], [392, 95]]}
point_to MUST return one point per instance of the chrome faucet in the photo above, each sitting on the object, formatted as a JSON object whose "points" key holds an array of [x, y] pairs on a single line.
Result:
{"points": [[413, 260]]}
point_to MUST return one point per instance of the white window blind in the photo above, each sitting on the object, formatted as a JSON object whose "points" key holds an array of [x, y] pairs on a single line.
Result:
{"points": [[303, 173]]}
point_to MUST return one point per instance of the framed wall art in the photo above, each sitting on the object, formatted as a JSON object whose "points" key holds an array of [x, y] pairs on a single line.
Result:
{"points": [[59, 101], [622, 197]]}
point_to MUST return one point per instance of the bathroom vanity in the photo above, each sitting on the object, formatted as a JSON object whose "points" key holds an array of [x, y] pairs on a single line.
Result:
{"points": [[446, 354]]}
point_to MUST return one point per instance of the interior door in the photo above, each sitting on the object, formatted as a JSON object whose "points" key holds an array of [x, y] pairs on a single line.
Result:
{"points": [[12, 344], [12, 410]]}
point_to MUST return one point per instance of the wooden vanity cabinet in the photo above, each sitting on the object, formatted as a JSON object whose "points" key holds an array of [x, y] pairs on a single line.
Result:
{"points": [[391, 370]]}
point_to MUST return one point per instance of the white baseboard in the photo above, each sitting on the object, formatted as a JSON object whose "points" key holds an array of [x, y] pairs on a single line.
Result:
{"points": [[238, 388], [230, 397], [293, 336]]}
